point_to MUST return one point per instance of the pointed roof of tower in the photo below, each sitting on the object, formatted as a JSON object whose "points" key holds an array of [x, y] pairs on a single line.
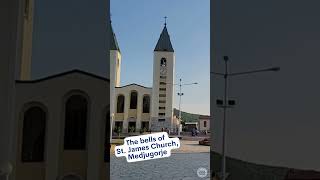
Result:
{"points": [[164, 43], [114, 43]]}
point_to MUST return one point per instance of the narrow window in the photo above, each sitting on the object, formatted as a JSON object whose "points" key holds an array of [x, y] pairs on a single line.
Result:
{"points": [[146, 104], [33, 138], [120, 104], [133, 100], [75, 123], [204, 123]]}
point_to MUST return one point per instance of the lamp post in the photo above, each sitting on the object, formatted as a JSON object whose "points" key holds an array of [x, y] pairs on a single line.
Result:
{"points": [[180, 94], [224, 105]]}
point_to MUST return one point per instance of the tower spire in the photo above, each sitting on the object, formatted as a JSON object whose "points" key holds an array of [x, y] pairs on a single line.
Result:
{"points": [[164, 43], [114, 43]]}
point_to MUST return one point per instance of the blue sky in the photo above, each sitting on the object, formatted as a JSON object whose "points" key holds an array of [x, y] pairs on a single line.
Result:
{"points": [[138, 24]]}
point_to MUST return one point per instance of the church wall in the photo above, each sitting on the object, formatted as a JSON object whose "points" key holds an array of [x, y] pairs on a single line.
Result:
{"points": [[119, 116], [132, 115], [96, 141], [51, 93], [145, 117]]}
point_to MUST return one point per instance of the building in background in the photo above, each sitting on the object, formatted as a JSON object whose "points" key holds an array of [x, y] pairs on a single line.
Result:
{"points": [[204, 123], [190, 121], [190, 126]]}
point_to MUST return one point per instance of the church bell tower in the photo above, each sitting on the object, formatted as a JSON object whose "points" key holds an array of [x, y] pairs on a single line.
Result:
{"points": [[163, 83], [115, 67]]}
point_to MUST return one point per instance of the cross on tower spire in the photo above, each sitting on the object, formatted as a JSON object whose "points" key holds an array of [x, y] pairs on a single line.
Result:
{"points": [[165, 21]]}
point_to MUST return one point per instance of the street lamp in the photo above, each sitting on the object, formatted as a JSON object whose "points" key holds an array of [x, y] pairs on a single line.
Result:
{"points": [[181, 94], [223, 104]]}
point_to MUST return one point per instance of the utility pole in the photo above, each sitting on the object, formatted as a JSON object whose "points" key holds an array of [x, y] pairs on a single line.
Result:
{"points": [[180, 94], [227, 104]]}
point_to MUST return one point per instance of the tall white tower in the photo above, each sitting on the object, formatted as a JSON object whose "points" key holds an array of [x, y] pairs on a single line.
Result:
{"points": [[24, 63], [163, 80], [115, 67]]}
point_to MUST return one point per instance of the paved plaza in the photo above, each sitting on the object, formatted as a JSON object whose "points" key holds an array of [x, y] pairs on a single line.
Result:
{"points": [[191, 147], [181, 165]]}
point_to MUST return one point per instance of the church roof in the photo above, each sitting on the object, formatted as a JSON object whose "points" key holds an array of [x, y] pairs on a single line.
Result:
{"points": [[64, 74], [164, 43], [114, 43], [134, 84]]}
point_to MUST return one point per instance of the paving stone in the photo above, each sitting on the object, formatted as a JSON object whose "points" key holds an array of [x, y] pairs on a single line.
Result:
{"points": [[179, 166]]}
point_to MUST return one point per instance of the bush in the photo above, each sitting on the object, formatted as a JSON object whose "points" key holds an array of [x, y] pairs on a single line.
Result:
{"points": [[143, 130], [118, 129], [132, 129]]}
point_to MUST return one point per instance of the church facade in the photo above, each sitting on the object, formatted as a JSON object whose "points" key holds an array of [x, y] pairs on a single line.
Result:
{"points": [[56, 127], [61, 127], [136, 108]]}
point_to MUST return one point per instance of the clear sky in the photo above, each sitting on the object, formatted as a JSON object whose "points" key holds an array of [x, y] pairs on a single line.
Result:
{"points": [[138, 24]]}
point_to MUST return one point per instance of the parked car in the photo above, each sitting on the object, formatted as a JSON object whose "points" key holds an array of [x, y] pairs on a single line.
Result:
{"points": [[205, 142]]}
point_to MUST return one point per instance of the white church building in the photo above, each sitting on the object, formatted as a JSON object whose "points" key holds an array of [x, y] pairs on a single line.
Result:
{"points": [[137, 108]]}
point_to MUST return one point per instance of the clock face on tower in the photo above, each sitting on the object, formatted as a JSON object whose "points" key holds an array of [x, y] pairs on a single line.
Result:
{"points": [[163, 70]]}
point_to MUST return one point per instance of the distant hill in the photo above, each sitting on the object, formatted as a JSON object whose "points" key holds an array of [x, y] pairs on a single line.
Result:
{"points": [[186, 117]]}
